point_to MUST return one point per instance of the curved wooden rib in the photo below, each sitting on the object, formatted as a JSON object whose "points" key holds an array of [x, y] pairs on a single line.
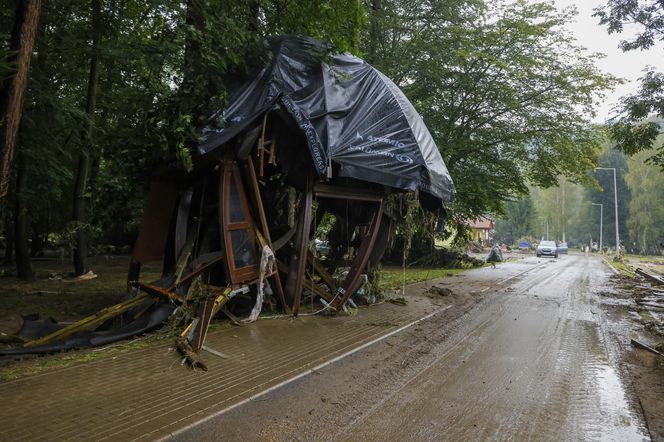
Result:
{"points": [[360, 261], [296, 268]]}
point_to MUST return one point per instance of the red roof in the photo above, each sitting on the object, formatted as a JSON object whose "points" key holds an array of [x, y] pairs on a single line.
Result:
{"points": [[481, 223]]}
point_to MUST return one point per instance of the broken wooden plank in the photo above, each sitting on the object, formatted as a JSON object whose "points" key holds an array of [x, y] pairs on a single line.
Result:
{"points": [[90, 322], [652, 278], [322, 272], [318, 290], [159, 291], [209, 309], [234, 319], [214, 352]]}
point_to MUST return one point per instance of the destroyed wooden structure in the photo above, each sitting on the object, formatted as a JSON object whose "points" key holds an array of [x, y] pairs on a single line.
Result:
{"points": [[308, 136]]}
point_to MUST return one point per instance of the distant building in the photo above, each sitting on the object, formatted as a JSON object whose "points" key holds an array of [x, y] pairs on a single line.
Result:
{"points": [[480, 229]]}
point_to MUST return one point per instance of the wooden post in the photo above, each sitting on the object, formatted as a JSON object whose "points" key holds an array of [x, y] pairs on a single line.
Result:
{"points": [[266, 231], [298, 263]]}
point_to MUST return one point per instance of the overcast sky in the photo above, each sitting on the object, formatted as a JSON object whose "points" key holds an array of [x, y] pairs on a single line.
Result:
{"points": [[627, 65]]}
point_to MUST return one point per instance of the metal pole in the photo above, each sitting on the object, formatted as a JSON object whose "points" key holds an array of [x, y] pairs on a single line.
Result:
{"points": [[563, 205], [615, 199]]}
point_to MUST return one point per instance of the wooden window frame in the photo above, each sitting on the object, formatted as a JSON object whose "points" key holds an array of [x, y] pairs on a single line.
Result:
{"points": [[238, 275]]}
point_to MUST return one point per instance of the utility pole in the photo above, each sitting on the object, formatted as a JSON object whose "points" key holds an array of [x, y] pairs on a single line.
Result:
{"points": [[563, 211], [615, 200]]}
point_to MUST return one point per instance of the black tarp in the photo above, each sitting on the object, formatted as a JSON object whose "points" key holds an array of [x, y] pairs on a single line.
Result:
{"points": [[350, 114]]}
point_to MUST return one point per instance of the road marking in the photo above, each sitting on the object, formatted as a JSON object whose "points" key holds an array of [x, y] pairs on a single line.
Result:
{"points": [[301, 375]]}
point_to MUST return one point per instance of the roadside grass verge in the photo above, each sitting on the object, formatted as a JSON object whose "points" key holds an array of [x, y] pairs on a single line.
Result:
{"points": [[53, 294], [392, 277], [40, 364], [622, 267]]}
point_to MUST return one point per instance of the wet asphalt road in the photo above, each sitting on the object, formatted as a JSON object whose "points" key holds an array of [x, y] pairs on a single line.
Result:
{"points": [[529, 360]]}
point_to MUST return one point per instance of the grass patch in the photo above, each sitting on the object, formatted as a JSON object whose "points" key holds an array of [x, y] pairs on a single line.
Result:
{"points": [[68, 301], [392, 277], [41, 364], [624, 268]]}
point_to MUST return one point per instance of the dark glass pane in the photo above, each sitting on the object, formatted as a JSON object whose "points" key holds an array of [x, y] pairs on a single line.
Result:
{"points": [[235, 212], [242, 248]]}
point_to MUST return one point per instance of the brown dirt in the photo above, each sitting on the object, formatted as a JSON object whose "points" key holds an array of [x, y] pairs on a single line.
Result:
{"points": [[645, 369]]}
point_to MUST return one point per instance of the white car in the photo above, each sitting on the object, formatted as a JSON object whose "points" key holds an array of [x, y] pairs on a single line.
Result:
{"points": [[547, 248]]}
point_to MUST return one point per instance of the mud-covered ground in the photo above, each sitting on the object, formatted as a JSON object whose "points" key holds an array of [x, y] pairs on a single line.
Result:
{"points": [[545, 355], [635, 309]]}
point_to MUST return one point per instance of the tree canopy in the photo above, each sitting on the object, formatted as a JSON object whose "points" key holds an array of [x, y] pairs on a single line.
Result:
{"points": [[633, 130], [503, 87], [505, 90]]}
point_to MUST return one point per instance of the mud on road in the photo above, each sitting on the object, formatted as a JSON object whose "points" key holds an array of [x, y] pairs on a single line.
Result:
{"points": [[534, 355]]}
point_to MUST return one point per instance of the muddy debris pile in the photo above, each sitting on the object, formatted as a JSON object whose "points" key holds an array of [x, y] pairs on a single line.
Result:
{"points": [[641, 298], [440, 291]]}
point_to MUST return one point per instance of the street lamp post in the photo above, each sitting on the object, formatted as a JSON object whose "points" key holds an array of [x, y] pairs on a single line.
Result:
{"points": [[615, 199], [601, 219]]}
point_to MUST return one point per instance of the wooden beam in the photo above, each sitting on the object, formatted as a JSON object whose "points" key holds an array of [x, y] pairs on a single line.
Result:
{"points": [[329, 191], [159, 291], [299, 260], [209, 309], [322, 272], [652, 278], [266, 231], [317, 290], [90, 322]]}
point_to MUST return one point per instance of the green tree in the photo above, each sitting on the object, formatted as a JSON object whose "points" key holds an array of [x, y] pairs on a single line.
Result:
{"points": [[504, 89], [12, 88], [646, 211], [633, 131], [517, 222], [604, 194], [161, 69]]}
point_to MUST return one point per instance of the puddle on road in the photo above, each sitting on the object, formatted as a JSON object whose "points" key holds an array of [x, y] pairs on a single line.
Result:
{"points": [[621, 424], [599, 408]]}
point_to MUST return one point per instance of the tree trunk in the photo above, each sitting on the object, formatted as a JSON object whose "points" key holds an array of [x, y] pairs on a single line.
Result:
{"points": [[11, 102], [9, 239], [84, 159], [192, 80], [38, 241], [374, 31], [23, 266]]}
